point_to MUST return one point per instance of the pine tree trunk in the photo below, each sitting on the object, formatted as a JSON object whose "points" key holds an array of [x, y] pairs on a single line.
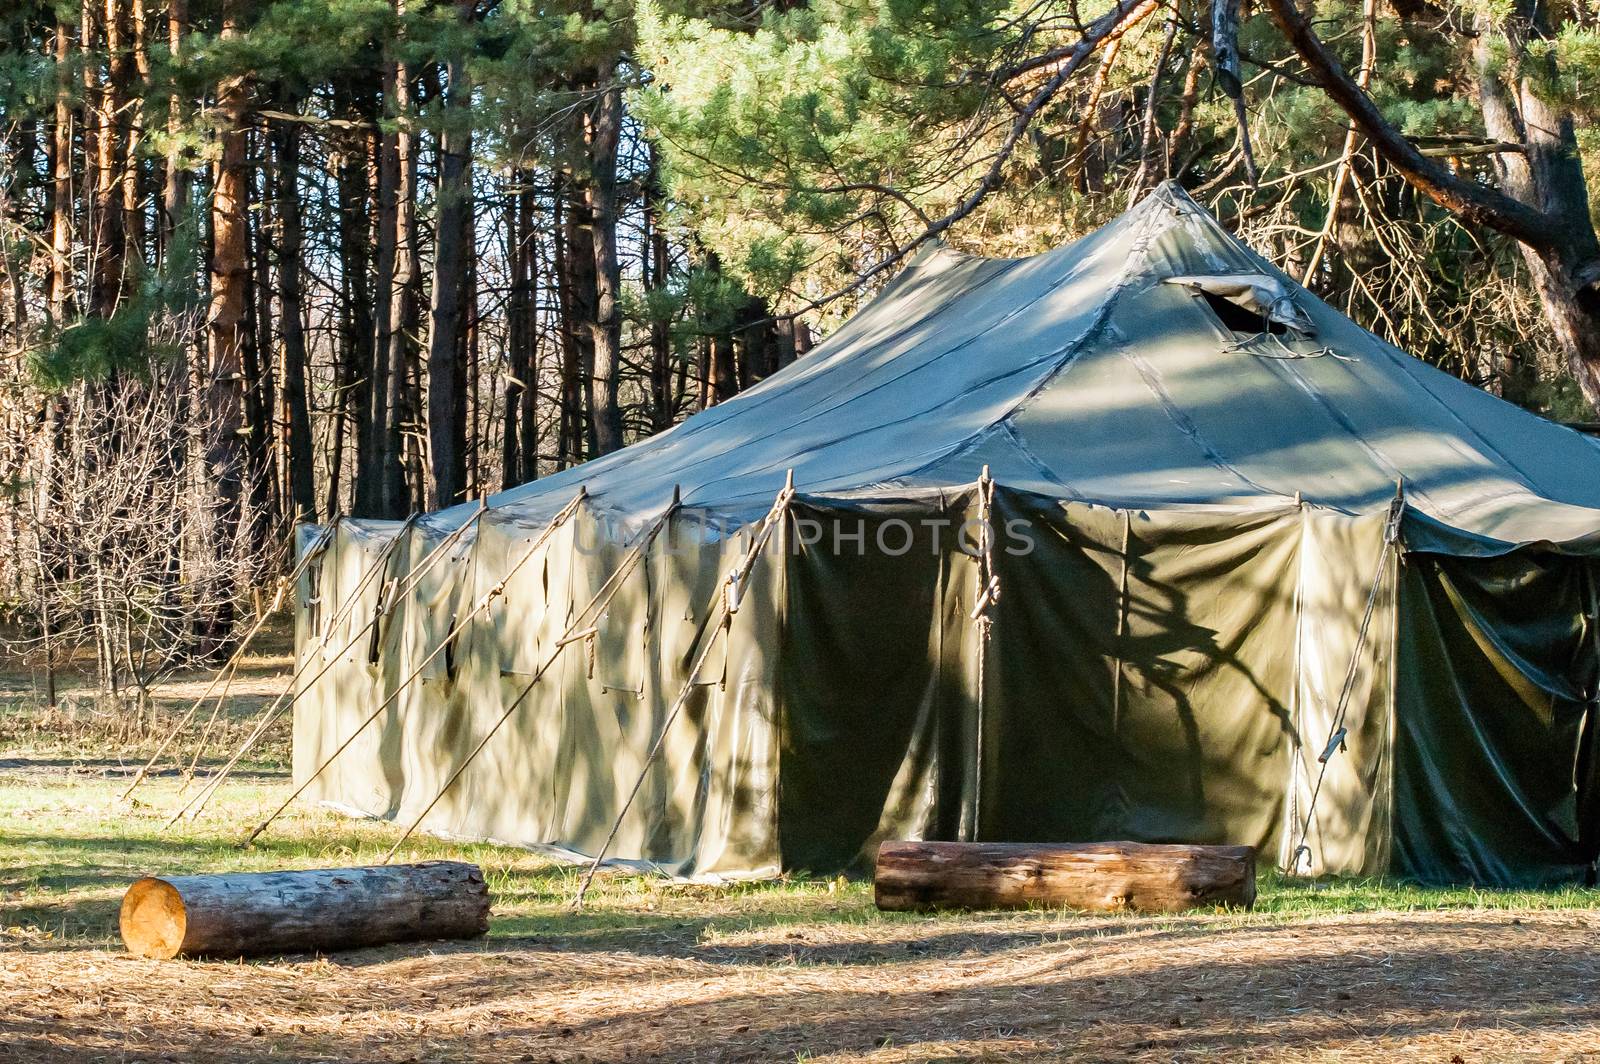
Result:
{"points": [[702, 380], [468, 408], [291, 308], [530, 332], [13, 191], [519, 432], [657, 270], [374, 416], [404, 303], [719, 371], [175, 189], [107, 251], [258, 395], [447, 313], [724, 369], [582, 306], [89, 126], [133, 170], [60, 293], [412, 487], [224, 383], [794, 340], [606, 328], [385, 235], [516, 373], [356, 101], [758, 344], [574, 269]]}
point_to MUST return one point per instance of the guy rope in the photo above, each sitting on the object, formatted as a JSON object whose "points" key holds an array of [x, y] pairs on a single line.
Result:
{"points": [[482, 604], [581, 626], [285, 700], [731, 596], [232, 664], [1336, 728]]}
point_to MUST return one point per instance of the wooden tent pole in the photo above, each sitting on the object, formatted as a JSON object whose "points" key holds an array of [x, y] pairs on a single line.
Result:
{"points": [[583, 620], [231, 665], [730, 602], [278, 707], [985, 595], [483, 603]]}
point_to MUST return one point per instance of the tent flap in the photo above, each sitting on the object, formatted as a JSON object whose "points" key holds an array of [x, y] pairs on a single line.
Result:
{"points": [[1494, 772]]}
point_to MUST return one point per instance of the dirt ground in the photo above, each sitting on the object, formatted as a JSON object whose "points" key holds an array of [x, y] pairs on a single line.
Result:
{"points": [[1438, 987], [806, 970]]}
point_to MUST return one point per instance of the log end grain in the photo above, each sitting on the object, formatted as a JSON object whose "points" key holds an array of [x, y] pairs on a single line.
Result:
{"points": [[306, 911], [153, 919]]}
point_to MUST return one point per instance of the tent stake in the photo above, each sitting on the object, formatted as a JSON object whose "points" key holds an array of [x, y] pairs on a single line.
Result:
{"points": [[738, 576], [586, 617]]}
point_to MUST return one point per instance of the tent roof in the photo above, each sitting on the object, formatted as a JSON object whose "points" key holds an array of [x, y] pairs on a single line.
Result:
{"points": [[1081, 374]]}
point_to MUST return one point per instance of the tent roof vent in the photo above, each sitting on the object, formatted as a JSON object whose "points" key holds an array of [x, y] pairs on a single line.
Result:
{"points": [[1249, 304]]}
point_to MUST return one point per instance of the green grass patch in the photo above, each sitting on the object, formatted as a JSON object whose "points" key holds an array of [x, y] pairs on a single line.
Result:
{"points": [[68, 849]]}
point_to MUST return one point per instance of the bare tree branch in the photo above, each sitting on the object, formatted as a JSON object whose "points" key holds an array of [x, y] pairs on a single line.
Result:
{"points": [[1472, 201], [1069, 61]]}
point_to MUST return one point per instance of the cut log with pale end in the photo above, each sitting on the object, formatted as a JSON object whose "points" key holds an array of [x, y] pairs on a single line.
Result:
{"points": [[313, 911], [1099, 876]]}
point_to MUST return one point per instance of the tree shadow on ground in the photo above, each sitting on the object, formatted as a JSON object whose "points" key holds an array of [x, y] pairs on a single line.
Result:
{"points": [[1037, 998], [111, 767]]}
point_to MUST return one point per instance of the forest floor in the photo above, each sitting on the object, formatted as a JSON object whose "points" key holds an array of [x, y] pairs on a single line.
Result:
{"points": [[799, 969]]}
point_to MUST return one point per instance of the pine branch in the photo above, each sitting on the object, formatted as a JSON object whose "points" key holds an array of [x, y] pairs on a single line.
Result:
{"points": [[1472, 201]]}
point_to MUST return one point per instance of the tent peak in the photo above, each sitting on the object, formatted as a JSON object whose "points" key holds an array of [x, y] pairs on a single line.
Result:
{"points": [[936, 252]]}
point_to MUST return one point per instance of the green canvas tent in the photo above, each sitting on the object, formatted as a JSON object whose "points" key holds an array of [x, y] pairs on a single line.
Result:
{"points": [[1134, 539]]}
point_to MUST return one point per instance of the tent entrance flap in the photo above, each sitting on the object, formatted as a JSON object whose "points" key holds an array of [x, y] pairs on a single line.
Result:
{"points": [[1495, 770]]}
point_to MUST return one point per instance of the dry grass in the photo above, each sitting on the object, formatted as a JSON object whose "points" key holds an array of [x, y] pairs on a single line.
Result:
{"points": [[92, 730], [786, 971]]}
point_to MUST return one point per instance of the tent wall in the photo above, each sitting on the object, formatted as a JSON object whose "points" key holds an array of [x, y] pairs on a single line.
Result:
{"points": [[1495, 771], [1142, 668], [338, 684], [878, 682], [1150, 675], [1341, 810], [560, 768]]}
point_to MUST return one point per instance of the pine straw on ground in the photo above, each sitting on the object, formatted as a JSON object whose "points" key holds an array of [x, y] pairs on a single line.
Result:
{"points": [[1347, 972], [1468, 985]]}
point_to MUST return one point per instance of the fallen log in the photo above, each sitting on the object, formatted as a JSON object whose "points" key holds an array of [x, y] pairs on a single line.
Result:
{"points": [[1102, 876], [317, 910]]}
